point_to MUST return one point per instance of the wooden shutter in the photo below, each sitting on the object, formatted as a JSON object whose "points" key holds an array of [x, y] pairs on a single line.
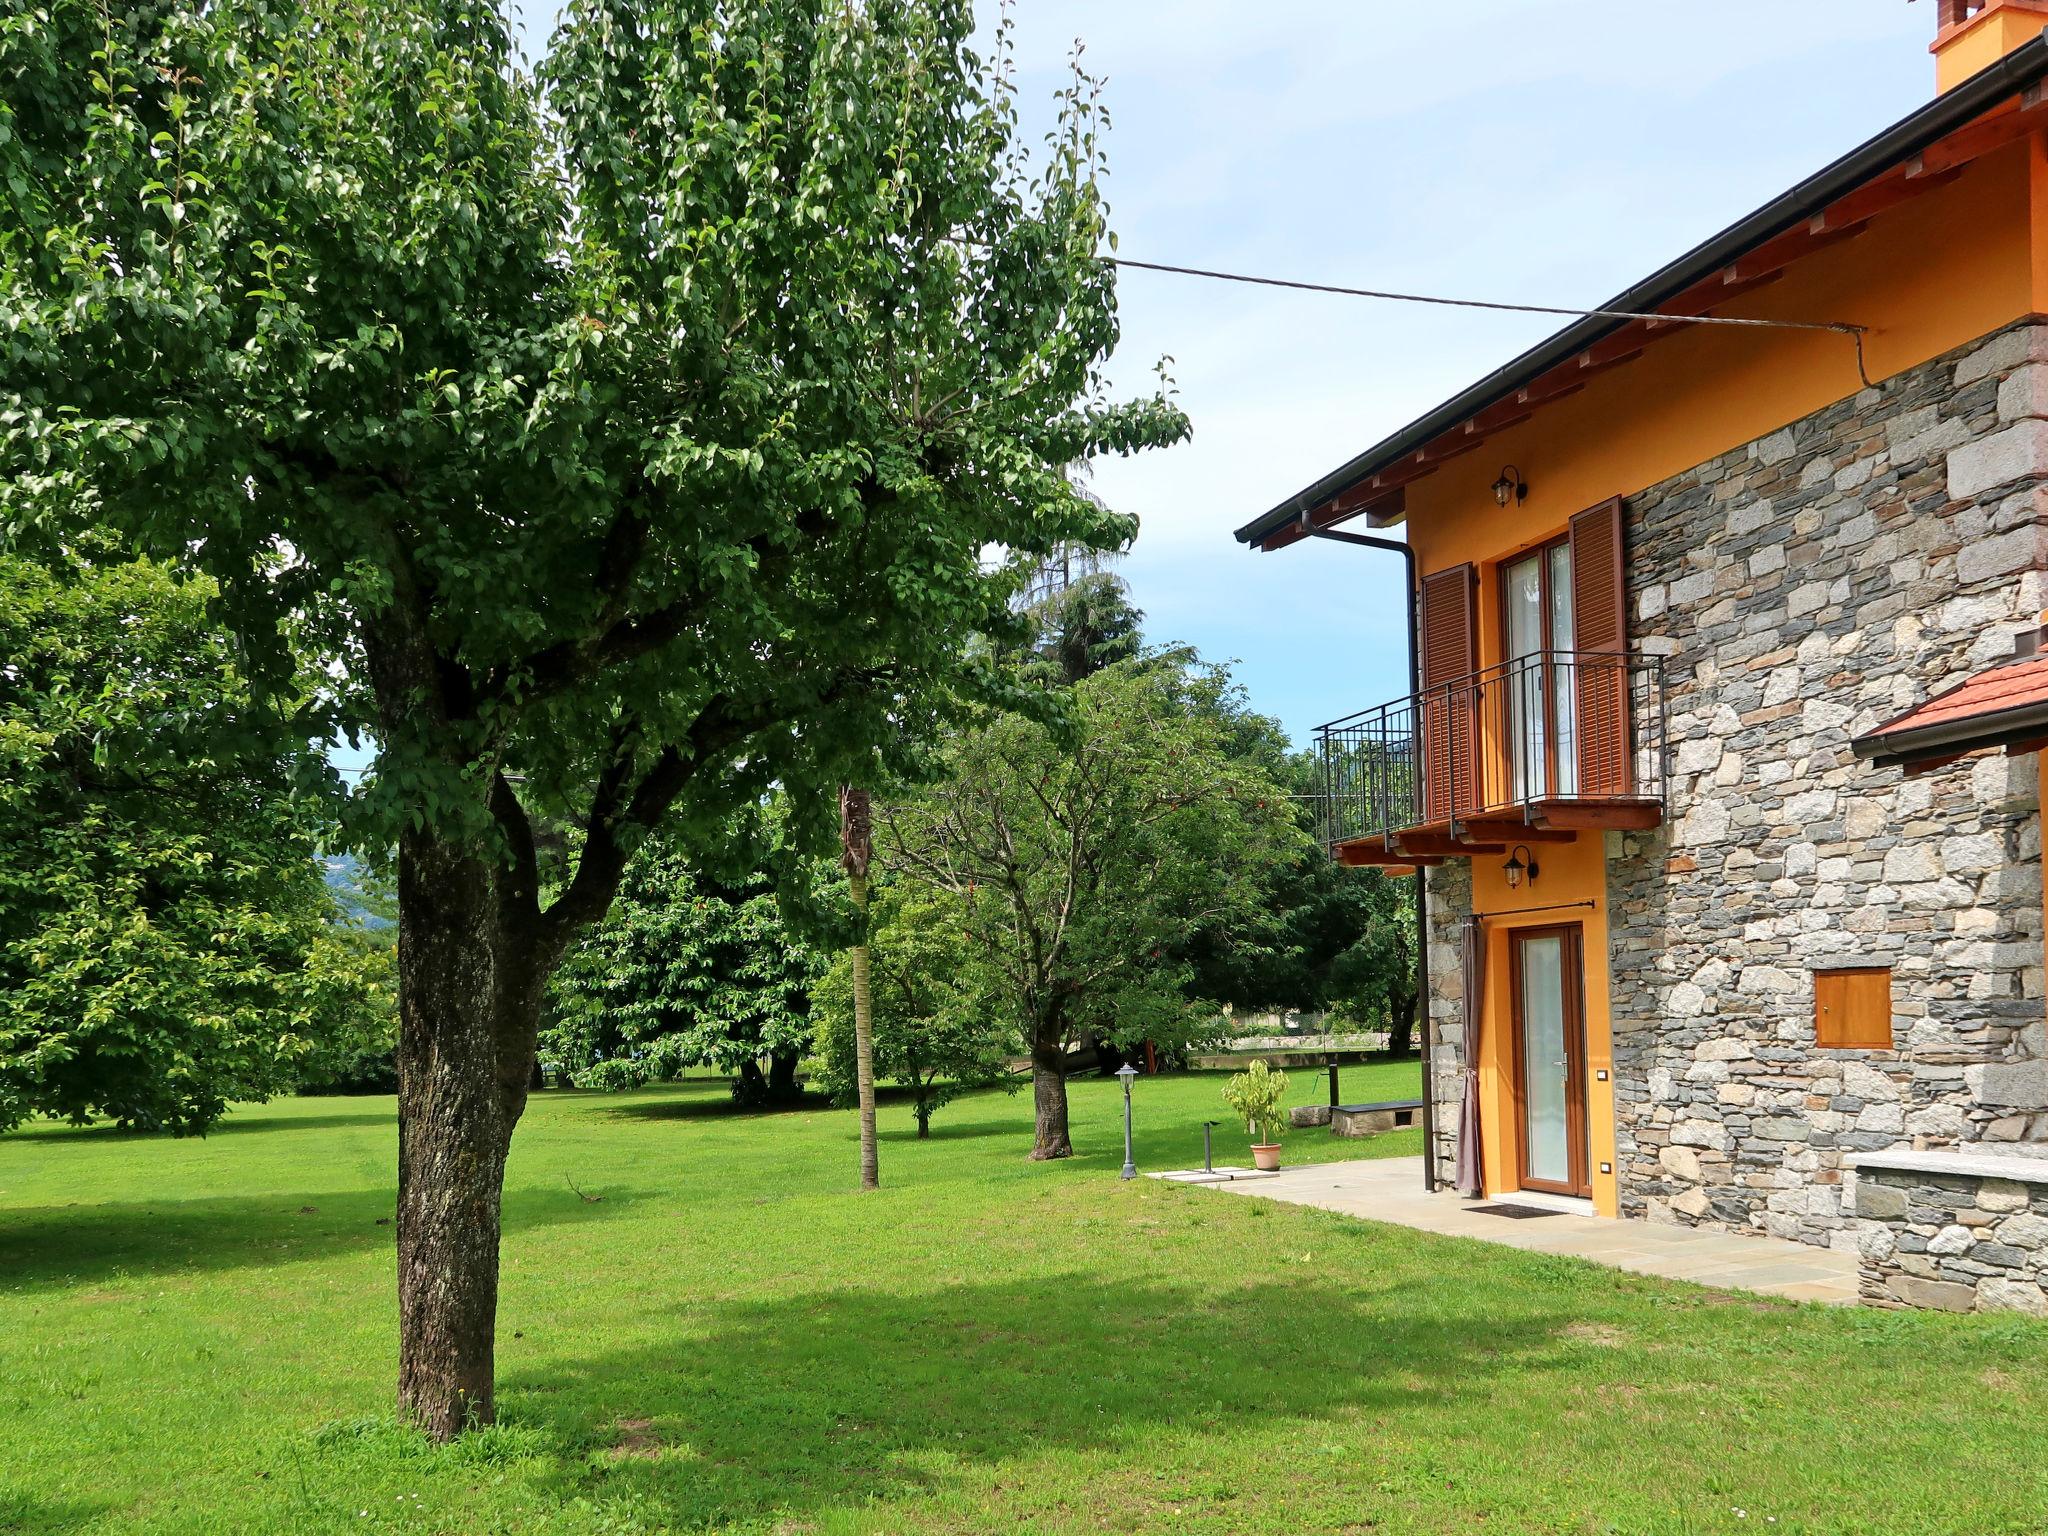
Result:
{"points": [[1600, 638], [1852, 1009], [1450, 654]]}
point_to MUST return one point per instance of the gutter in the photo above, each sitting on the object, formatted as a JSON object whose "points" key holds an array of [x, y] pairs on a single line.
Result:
{"points": [[2024, 66]]}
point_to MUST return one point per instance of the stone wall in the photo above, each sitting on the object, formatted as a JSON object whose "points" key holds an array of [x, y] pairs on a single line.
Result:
{"points": [[1801, 590], [1956, 1231], [1450, 903]]}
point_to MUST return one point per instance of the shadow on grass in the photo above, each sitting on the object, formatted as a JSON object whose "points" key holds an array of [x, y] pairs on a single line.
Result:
{"points": [[234, 1125], [62, 1246], [711, 1107], [33, 1516], [792, 1407], [960, 1130]]}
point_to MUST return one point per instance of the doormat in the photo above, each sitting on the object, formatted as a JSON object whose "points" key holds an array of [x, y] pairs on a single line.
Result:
{"points": [[1513, 1212]]}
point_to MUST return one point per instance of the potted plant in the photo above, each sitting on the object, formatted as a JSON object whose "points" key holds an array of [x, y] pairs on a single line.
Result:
{"points": [[1256, 1094]]}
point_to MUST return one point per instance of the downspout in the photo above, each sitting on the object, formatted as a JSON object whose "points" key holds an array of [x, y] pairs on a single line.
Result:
{"points": [[1423, 1020]]}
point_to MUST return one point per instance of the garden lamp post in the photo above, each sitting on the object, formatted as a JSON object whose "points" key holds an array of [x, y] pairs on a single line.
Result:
{"points": [[1127, 1072]]}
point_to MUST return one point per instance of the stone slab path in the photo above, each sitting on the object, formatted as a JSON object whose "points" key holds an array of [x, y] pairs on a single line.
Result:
{"points": [[1390, 1190]]}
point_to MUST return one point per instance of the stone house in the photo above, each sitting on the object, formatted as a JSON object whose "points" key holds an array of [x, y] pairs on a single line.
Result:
{"points": [[1722, 767]]}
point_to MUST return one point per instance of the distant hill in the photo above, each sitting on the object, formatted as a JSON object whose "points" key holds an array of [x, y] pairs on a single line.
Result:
{"points": [[360, 896]]}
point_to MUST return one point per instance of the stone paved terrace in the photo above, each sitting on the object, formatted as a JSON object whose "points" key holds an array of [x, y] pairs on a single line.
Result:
{"points": [[1390, 1190]]}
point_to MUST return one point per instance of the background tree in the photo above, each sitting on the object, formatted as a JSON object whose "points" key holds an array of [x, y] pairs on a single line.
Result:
{"points": [[354, 963], [939, 1028], [1371, 981], [1322, 937], [1080, 856], [689, 969], [1326, 938], [1080, 628], [159, 899], [619, 444]]}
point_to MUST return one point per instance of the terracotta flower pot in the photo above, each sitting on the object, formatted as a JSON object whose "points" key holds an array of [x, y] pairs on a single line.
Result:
{"points": [[1266, 1156]]}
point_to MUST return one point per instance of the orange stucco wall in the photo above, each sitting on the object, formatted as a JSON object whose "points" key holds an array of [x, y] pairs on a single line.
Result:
{"points": [[1569, 872], [1956, 263]]}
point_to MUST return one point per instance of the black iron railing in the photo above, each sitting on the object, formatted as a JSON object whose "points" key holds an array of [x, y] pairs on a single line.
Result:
{"points": [[1557, 727]]}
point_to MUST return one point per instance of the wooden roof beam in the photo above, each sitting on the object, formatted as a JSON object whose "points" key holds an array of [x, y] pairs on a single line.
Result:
{"points": [[1554, 385], [1776, 255], [1618, 348], [1364, 497], [1705, 298], [1980, 138], [1499, 417], [1444, 448]]}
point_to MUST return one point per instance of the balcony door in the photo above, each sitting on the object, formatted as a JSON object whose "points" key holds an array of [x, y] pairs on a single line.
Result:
{"points": [[1548, 995], [1542, 732]]}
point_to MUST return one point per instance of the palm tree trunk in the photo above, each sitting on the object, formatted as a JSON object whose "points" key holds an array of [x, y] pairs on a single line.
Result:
{"points": [[857, 847], [864, 1044]]}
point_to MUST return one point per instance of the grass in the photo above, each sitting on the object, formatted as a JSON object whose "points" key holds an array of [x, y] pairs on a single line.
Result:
{"points": [[198, 1336]]}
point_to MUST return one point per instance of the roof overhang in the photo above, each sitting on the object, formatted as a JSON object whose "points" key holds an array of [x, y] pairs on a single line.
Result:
{"points": [[2003, 706], [2015, 730], [1911, 156]]}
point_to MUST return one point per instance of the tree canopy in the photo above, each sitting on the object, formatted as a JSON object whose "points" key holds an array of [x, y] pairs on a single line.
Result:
{"points": [[687, 970], [159, 899], [612, 442], [1080, 855]]}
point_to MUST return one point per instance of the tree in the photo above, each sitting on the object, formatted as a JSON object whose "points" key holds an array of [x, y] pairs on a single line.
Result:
{"points": [[159, 898], [618, 443], [690, 968], [936, 1030], [1326, 938], [1082, 627], [354, 964], [1372, 980], [1080, 855]]}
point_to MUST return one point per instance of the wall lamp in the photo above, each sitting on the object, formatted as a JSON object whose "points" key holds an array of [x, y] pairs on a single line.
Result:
{"points": [[1520, 862], [1510, 486]]}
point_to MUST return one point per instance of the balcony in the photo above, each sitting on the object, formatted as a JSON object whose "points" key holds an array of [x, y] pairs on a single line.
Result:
{"points": [[1538, 749]]}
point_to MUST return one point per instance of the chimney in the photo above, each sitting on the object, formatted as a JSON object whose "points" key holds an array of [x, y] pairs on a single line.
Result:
{"points": [[1975, 34]]}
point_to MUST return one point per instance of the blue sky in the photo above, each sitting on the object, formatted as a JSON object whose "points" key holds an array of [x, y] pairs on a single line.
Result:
{"points": [[1546, 151]]}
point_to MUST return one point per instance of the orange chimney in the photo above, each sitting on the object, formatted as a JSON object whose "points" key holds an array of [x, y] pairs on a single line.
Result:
{"points": [[1975, 34]]}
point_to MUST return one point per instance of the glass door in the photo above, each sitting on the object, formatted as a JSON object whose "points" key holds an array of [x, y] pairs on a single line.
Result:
{"points": [[1550, 1077], [1538, 631]]}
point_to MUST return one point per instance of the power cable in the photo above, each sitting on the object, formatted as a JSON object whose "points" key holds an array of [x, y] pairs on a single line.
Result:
{"points": [[1838, 327]]}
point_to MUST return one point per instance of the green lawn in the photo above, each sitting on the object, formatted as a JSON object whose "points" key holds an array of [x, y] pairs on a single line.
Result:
{"points": [[198, 1336]]}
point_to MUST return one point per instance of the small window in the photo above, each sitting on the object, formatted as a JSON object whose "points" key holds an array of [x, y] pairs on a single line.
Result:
{"points": [[1852, 1010]]}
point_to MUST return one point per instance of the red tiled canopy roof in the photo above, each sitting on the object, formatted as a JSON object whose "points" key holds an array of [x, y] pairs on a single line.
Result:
{"points": [[2002, 706]]}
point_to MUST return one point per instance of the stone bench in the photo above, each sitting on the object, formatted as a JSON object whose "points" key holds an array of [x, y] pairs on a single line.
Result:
{"points": [[1374, 1119], [1307, 1116], [1958, 1229]]}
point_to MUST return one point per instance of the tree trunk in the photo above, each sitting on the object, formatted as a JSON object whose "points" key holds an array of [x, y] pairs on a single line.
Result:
{"points": [[469, 1015], [924, 1121], [749, 1087], [864, 1041], [1401, 1025], [783, 1087], [1049, 1097]]}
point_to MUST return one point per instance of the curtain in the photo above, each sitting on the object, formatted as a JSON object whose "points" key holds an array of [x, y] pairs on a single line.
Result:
{"points": [[1470, 1180]]}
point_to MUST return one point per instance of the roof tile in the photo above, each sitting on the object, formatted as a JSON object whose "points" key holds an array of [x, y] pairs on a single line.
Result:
{"points": [[2009, 685]]}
